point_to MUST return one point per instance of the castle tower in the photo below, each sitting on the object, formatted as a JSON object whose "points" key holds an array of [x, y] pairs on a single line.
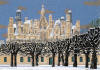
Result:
{"points": [[10, 28], [63, 26], [43, 11], [43, 21], [43, 24], [68, 15], [50, 21], [68, 23], [78, 26], [24, 25], [57, 31], [18, 21], [50, 27], [19, 27], [31, 27], [18, 15], [36, 28]]}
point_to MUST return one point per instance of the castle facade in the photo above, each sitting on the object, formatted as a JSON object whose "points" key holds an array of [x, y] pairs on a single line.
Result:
{"points": [[42, 29]]}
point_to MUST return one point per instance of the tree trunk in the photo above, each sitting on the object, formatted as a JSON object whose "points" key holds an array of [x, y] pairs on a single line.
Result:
{"points": [[53, 64], [15, 60], [94, 60], [58, 58], [32, 59], [11, 60], [86, 58], [36, 59], [75, 60], [66, 59], [62, 59]]}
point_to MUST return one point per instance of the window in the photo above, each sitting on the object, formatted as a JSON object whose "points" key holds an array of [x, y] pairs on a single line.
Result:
{"points": [[5, 59], [29, 59], [88, 59], [21, 59], [81, 59], [72, 59], [42, 59]]}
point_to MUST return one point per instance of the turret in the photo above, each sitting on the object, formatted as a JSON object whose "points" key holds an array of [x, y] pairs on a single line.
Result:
{"points": [[63, 26], [68, 23], [18, 15], [78, 26], [50, 17], [43, 11], [19, 27], [50, 21], [10, 28], [11, 21], [68, 15], [43, 21], [31, 27]]}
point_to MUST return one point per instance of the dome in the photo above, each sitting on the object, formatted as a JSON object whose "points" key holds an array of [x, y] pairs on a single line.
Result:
{"points": [[70, 11], [18, 10], [62, 18], [57, 22], [73, 27]]}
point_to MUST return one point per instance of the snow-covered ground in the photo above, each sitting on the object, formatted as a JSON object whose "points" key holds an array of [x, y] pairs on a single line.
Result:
{"points": [[43, 67]]}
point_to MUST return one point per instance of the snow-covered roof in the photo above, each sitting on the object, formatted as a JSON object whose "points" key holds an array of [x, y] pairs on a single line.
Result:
{"points": [[16, 32], [62, 18], [51, 34], [18, 10], [70, 11], [14, 25], [73, 27], [57, 22], [27, 22]]}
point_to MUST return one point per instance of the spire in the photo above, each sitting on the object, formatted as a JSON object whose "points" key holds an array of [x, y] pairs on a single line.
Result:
{"points": [[43, 10], [68, 15]]}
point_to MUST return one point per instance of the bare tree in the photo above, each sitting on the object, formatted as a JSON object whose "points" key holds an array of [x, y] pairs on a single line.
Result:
{"points": [[53, 49], [11, 48], [76, 49], [67, 50], [93, 38]]}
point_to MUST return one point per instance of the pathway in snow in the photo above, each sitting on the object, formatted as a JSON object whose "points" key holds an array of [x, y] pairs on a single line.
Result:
{"points": [[44, 67]]}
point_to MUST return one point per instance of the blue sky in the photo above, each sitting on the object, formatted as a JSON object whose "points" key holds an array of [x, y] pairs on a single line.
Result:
{"points": [[79, 11]]}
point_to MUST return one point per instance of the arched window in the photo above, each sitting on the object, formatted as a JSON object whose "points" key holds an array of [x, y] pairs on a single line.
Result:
{"points": [[29, 59], [88, 59], [42, 59], [72, 59], [81, 59], [5, 59], [21, 59]]}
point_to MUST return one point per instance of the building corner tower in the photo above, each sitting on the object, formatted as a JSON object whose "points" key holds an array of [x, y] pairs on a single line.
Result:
{"points": [[68, 23], [10, 28]]}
